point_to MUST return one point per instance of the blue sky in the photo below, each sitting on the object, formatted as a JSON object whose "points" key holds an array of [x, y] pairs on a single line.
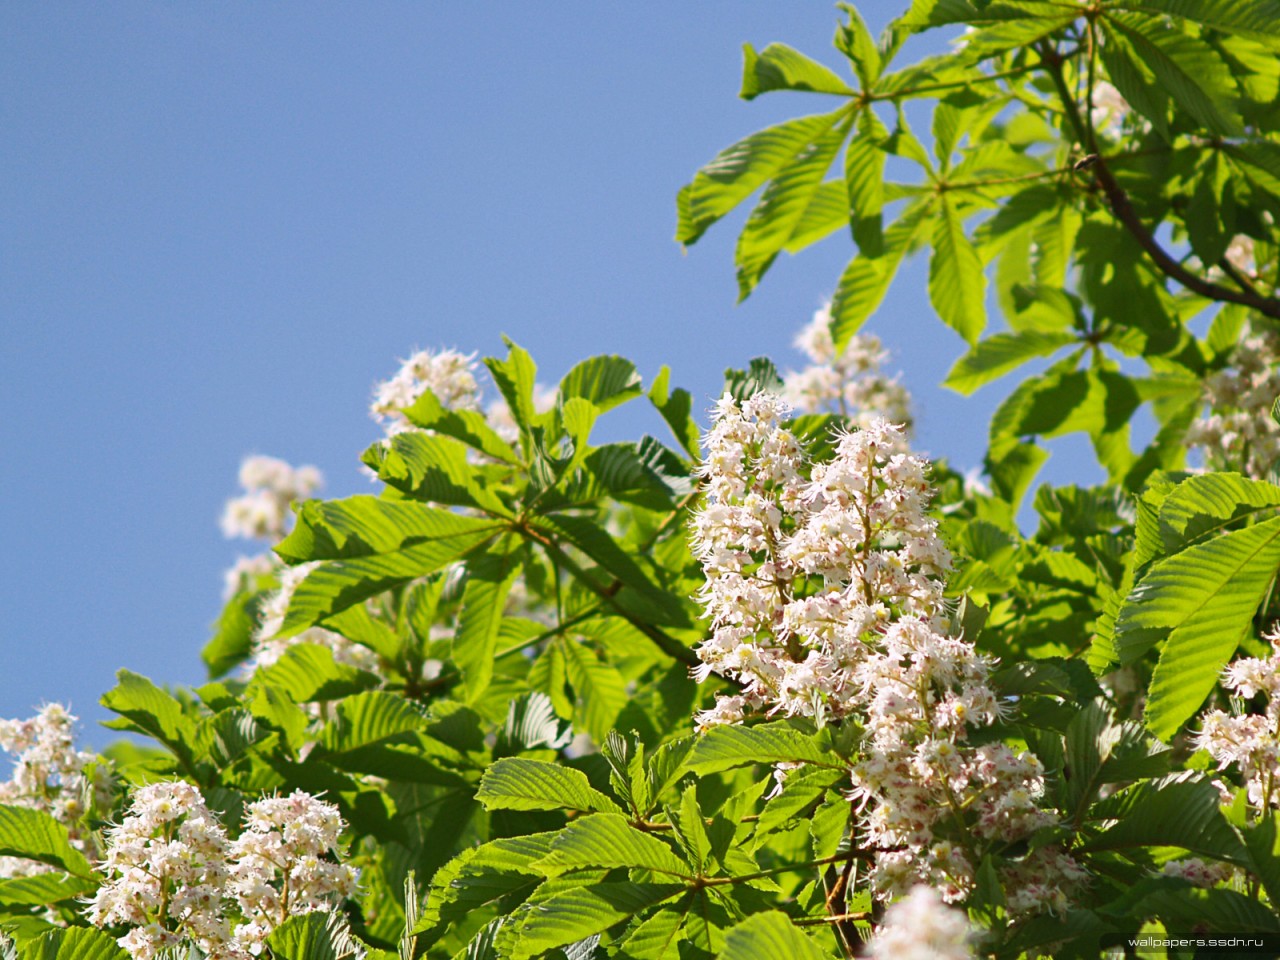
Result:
{"points": [[222, 223]]}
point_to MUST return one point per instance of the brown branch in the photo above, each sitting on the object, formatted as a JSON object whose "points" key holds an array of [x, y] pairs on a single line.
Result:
{"points": [[1123, 210]]}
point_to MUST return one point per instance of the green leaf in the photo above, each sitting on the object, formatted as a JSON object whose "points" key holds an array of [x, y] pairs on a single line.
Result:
{"points": [[368, 546], [826, 212], [489, 579], [676, 407], [148, 709], [782, 206], [74, 943], [1259, 19], [232, 640], [726, 747], [1188, 68], [482, 875], [997, 355], [737, 171], [854, 40], [313, 936], [1263, 841], [607, 840], [596, 543], [580, 912], [433, 468], [866, 279], [515, 378], [599, 688], [779, 67], [605, 381], [1176, 811], [514, 783], [1205, 503], [657, 937], [364, 526], [1205, 597], [469, 426], [43, 889], [34, 835], [770, 934], [864, 160], [368, 718], [957, 286]]}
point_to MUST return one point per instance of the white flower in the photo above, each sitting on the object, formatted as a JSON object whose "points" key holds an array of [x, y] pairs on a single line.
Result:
{"points": [[447, 374], [922, 927], [49, 774], [270, 485], [1237, 431], [850, 382]]}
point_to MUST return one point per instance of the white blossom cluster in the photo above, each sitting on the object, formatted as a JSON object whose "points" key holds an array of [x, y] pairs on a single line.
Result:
{"points": [[175, 877], [280, 866], [805, 563], [1250, 742], [268, 647], [825, 595], [1238, 432], [50, 775], [921, 927], [448, 374], [269, 485], [850, 382]]}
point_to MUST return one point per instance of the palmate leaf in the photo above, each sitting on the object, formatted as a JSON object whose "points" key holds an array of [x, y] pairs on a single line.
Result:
{"points": [[1203, 599], [34, 835], [1188, 68], [368, 718], [368, 546], [770, 934], [607, 840], [854, 40], [75, 943], [779, 67], [726, 747], [957, 285], [737, 171], [314, 936], [782, 207], [147, 709], [489, 579], [1259, 19], [579, 912], [433, 468], [307, 672], [515, 783], [469, 426], [1180, 810], [995, 356], [866, 279], [482, 875], [604, 381]]}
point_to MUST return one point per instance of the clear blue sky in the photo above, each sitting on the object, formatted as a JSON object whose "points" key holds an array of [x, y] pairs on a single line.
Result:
{"points": [[222, 223]]}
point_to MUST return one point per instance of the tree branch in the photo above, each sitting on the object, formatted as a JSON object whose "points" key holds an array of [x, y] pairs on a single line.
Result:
{"points": [[1123, 210]]}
